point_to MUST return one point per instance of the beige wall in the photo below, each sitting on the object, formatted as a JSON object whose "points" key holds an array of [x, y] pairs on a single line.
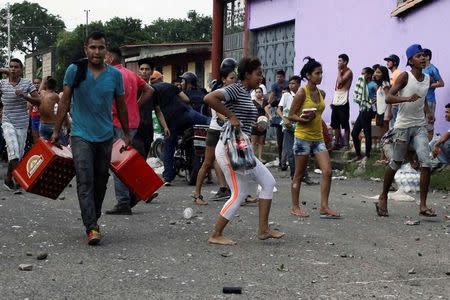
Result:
{"points": [[167, 72], [191, 67]]}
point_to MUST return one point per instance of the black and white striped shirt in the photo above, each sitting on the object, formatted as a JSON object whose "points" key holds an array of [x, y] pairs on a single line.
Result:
{"points": [[238, 100], [15, 109]]}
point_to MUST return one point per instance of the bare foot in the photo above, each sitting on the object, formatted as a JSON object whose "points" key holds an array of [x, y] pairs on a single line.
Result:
{"points": [[221, 240], [271, 234], [329, 212], [298, 212]]}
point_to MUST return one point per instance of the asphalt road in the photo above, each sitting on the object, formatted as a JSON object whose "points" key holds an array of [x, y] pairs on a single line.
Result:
{"points": [[156, 254]]}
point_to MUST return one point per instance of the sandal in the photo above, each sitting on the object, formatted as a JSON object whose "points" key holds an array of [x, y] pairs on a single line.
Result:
{"points": [[199, 200], [251, 199], [381, 211], [428, 213]]}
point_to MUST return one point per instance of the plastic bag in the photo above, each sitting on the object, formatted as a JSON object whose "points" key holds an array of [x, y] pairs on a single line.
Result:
{"points": [[407, 179], [238, 148]]}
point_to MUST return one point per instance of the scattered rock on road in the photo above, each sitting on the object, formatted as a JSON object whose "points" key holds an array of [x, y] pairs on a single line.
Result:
{"points": [[42, 256]]}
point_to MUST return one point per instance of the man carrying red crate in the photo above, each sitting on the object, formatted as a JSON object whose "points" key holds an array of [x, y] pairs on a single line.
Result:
{"points": [[92, 86], [16, 92], [133, 85]]}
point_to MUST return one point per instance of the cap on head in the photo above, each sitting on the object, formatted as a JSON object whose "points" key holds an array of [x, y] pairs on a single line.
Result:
{"points": [[190, 78], [156, 76], [394, 58], [413, 50]]}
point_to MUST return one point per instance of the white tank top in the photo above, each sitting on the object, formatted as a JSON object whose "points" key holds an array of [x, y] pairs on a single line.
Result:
{"points": [[411, 114], [214, 125]]}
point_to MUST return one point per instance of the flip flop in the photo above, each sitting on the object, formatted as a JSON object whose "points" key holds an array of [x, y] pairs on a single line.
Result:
{"points": [[428, 213], [381, 211], [328, 216]]}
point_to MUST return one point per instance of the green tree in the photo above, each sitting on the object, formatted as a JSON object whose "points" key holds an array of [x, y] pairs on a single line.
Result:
{"points": [[195, 28], [32, 27]]}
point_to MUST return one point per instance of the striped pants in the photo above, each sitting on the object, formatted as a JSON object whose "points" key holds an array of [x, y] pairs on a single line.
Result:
{"points": [[243, 183]]}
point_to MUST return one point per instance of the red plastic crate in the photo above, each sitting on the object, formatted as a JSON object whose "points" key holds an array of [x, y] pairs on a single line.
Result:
{"points": [[45, 170], [133, 171]]}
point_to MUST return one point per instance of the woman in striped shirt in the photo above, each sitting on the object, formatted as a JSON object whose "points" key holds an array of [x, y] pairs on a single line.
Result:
{"points": [[235, 103]]}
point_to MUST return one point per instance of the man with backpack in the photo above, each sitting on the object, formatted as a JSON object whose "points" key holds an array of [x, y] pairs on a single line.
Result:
{"points": [[91, 86]]}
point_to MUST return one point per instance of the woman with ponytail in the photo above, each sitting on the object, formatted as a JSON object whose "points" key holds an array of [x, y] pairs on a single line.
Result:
{"points": [[306, 111]]}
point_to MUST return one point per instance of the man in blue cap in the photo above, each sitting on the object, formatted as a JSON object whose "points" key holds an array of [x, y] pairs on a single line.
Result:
{"points": [[409, 92]]}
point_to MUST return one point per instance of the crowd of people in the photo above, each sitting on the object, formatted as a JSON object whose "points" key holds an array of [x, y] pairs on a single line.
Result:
{"points": [[103, 101]]}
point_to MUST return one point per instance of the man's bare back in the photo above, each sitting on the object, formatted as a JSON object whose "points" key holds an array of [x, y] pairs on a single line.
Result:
{"points": [[47, 107]]}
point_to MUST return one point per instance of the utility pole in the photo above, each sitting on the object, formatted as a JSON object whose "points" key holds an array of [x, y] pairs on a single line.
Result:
{"points": [[87, 21], [8, 22]]}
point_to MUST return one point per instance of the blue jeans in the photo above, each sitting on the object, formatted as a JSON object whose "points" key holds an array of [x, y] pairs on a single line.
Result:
{"points": [[288, 150], [176, 127], [125, 199], [92, 160]]}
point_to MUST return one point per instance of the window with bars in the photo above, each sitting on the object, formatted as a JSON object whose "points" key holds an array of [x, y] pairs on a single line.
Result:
{"points": [[406, 5], [234, 14]]}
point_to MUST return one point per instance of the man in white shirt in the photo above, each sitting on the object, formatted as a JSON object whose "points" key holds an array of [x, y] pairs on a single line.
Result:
{"points": [[408, 92]]}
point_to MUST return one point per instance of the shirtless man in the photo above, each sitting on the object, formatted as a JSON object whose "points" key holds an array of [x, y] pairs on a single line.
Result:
{"points": [[340, 108], [47, 111]]}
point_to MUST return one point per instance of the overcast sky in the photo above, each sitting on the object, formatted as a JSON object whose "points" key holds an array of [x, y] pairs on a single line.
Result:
{"points": [[72, 11]]}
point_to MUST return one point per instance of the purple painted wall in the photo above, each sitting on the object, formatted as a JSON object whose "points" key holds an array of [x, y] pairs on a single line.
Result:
{"points": [[365, 31]]}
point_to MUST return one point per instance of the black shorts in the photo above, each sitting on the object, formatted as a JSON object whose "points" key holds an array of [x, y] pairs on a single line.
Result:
{"points": [[257, 132], [212, 137], [340, 116]]}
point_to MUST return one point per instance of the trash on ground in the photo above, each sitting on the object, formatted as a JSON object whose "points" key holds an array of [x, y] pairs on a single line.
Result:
{"points": [[412, 222], [188, 213], [339, 178], [232, 290], [25, 267], [318, 171], [282, 268]]}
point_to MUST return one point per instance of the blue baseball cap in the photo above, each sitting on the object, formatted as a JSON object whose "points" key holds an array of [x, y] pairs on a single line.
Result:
{"points": [[413, 50]]}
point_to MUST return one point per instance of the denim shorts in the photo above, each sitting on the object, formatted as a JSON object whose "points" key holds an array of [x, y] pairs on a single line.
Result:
{"points": [[303, 147], [417, 137], [35, 123]]}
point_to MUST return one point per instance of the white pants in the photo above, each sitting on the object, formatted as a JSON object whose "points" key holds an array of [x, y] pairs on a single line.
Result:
{"points": [[243, 183], [15, 139]]}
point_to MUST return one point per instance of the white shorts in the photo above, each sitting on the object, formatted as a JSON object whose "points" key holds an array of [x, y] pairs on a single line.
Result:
{"points": [[243, 183], [15, 139]]}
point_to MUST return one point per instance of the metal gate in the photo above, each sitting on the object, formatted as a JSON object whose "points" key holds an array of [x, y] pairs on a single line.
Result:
{"points": [[275, 48]]}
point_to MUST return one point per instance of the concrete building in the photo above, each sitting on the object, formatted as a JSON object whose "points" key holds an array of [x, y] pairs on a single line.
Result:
{"points": [[282, 32], [173, 59]]}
